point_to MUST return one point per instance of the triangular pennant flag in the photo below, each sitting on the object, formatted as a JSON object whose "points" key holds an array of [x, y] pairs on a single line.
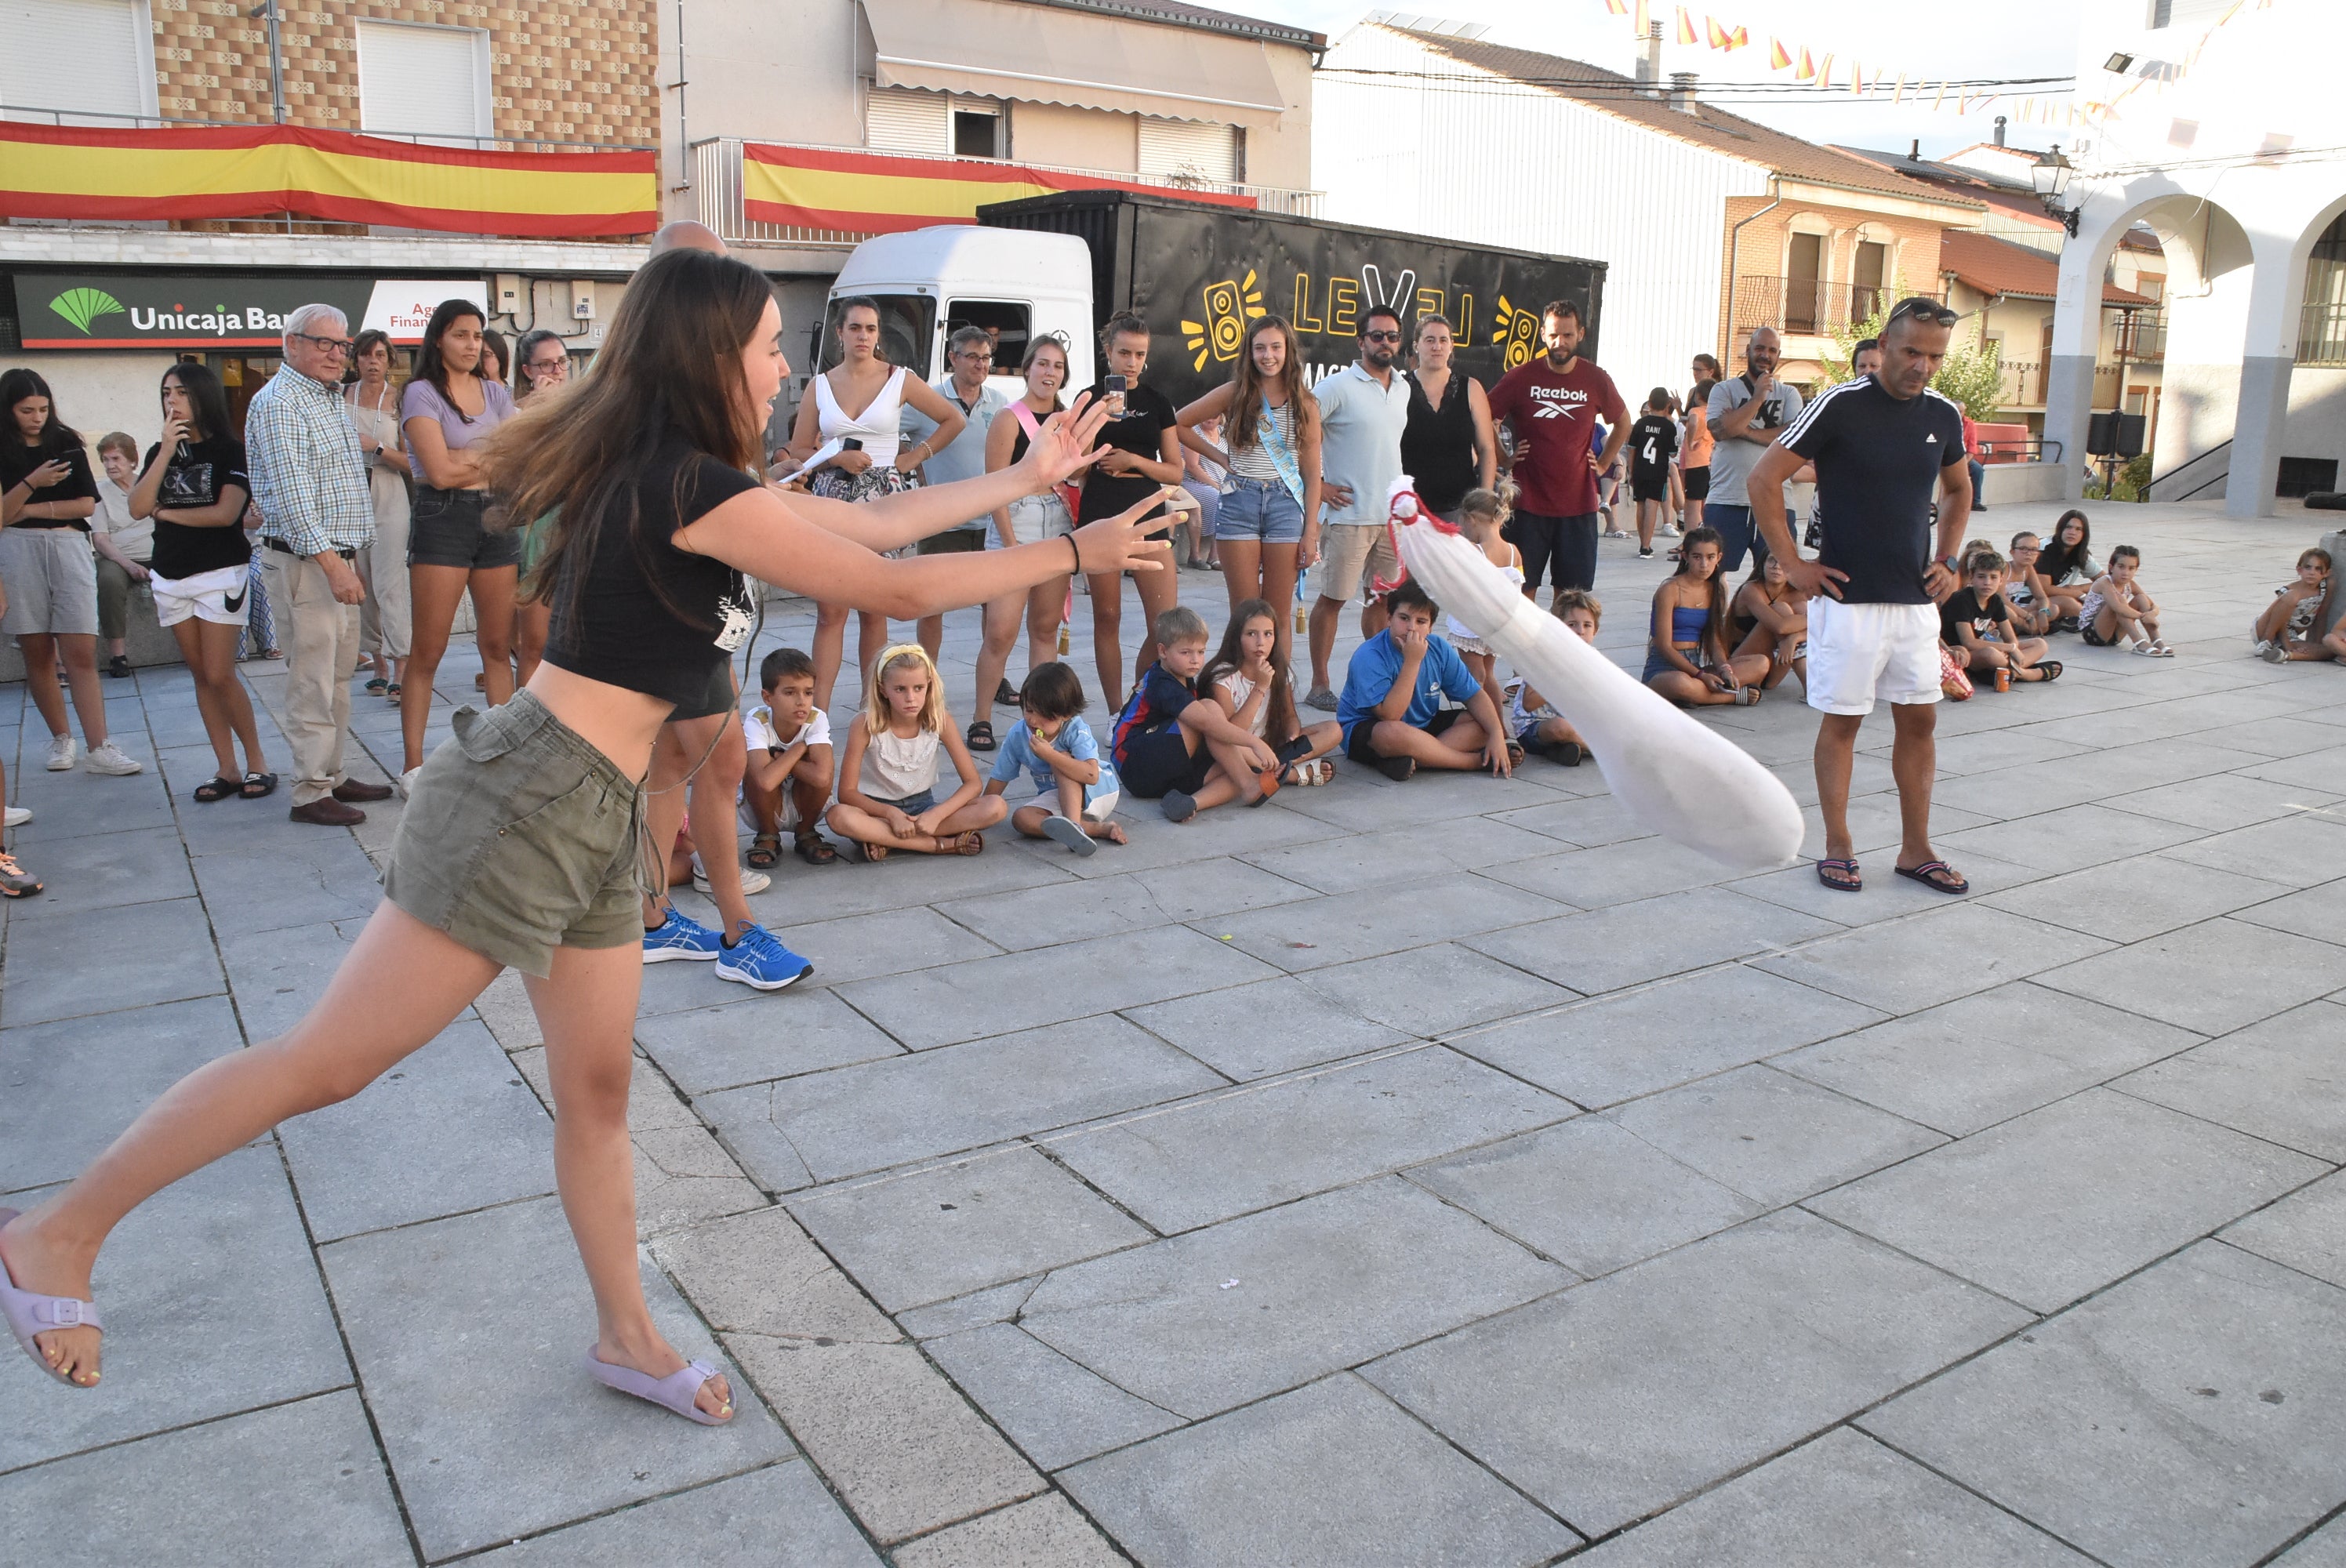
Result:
{"points": [[1856, 78], [1777, 58], [1898, 93], [1687, 35], [1941, 101], [1738, 39], [1808, 66], [1719, 38], [1643, 18], [1618, 7], [1824, 72]]}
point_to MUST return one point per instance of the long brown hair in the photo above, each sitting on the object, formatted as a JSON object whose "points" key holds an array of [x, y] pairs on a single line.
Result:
{"points": [[430, 367], [1245, 382], [1715, 630], [1279, 723], [671, 369]]}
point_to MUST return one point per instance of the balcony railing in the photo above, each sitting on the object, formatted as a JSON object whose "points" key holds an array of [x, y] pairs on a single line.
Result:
{"points": [[2321, 335], [22, 116], [1807, 307], [2024, 382], [2141, 337], [717, 181]]}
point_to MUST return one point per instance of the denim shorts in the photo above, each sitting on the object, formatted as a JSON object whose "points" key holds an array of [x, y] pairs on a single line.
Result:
{"points": [[519, 836], [1263, 510], [446, 529], [911, 805]]}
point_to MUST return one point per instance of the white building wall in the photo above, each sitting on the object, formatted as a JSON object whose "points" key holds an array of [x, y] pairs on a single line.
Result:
{"points": [[1497, 163]]}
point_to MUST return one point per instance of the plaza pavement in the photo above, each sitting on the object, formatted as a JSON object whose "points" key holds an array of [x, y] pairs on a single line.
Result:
{"points": [[1432, 1174]]}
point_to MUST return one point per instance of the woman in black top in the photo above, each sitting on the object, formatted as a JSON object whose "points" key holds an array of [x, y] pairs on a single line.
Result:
{"points": [[1448, 447], [520, 842], [1144, 457], [194, 487]]}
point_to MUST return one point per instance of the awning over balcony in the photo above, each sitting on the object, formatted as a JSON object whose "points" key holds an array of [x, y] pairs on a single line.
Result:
{"points": [[881, 193], [259, 171], [1040, 55]]}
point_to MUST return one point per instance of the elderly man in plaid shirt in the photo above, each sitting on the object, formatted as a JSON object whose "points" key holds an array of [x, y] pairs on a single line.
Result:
{"points": [[310, 481]]}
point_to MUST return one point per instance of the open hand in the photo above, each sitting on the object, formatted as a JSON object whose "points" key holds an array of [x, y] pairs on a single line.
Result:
{"points": [[1339, 496], [1115, 544], [1067, 443]]}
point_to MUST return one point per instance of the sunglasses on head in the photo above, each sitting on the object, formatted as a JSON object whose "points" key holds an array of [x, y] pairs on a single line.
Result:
{"points": [[1922, 310]]}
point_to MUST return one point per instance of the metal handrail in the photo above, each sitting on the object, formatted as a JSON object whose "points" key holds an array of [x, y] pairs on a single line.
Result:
{"points": [[2158, 479], [164, 122], [2032, 449]]}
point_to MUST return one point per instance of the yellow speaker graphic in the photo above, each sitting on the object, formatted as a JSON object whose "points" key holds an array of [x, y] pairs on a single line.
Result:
{"points": [[1229, 307], [1519, 331]]}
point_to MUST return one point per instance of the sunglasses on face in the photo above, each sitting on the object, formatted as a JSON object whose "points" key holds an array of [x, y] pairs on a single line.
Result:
{"points": [[1381, 337]]}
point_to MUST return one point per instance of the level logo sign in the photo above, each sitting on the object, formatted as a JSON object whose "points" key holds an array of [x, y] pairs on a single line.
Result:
{"points": [[80, 306], [1515, 331]]}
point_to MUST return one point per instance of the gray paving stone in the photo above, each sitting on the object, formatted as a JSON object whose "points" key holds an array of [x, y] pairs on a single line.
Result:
{"points": [[2325, 1548], [2062, 1200], [1613, 873], [2319, 911], [891, 1436], [212, 1306], [2215, 977], [878, 1114], [68, 1088], [1609, 1401], [456, 1326], [749, 1040], [296, 876], [759, 1272], [2223, 802], [1587, 1194], [1988, 750], [1185, 1166], [1434, 845], [106, 870], [2130, 900], [1841, 1501], [1618, 1047], [1886, 896], [1046, 916], [925, 1235], [1770, 1135], [1329, 1473], [1984, 1058], [1876, 824], [1269, 1026], [277, 976], [1363, 803], [2303, 852], [2016, 791], [2282, 1080], [1214, 1319], [1624, 944], [808, 893], [1433, 991], [2306, 1230], [1041, 1532], [1343, 927], [1951, 951], [2192, 1414], [308, 1488], [1055, 1410], [975, 1310], [1585, 822], [2069, 837], [453, 1127], [47, 975], [2314, 773], [1027, 989], [732, 1523], [890, 942], [79, 805]]}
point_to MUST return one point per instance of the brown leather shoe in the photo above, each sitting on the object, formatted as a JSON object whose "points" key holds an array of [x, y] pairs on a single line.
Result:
{"points": [[359, 790], [328, 812]]}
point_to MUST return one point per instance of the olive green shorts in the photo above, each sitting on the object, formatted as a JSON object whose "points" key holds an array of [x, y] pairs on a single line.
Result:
{"points": [[519, 838]]}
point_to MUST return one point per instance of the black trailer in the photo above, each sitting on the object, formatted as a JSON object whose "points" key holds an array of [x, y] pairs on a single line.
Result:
{"points": [[1197, 273]]}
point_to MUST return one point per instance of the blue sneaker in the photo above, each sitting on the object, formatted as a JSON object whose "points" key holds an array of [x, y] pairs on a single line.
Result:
{"points": [[756, 959], [680, 936]]}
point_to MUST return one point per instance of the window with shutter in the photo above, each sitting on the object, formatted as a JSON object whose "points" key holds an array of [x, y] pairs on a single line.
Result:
{"points": [[89, 58], [899, 121], [423, 81], [1185, 149]]}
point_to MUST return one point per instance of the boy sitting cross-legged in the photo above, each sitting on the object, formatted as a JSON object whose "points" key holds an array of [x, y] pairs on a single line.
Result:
{"points": [[1172, 745], [1976, 622], [1077, 791], [1390, 707], [787, 781]]}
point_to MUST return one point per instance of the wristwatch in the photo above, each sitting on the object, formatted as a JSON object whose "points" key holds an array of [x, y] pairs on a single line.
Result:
{"points": [[1950, 562]]}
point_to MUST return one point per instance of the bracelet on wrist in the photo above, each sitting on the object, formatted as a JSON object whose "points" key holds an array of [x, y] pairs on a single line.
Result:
{"points": [[1077, 550]]}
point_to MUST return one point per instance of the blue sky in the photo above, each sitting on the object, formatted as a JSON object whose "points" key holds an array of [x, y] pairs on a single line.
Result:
{"points": [[1980, 39]]}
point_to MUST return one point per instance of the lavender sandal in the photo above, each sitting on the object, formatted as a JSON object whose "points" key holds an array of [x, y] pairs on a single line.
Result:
{"points": [[675, 1392], [30, 1313]]}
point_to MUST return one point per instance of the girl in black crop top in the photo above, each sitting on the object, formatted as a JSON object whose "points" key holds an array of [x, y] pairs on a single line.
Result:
{"points": [[646, 574]]}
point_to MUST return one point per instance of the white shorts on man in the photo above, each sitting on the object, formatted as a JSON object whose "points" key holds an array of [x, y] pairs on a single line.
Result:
{"points": [[1862, 654]]}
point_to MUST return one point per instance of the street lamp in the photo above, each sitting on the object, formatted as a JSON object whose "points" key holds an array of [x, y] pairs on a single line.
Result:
{"points": [[2051, 174]]}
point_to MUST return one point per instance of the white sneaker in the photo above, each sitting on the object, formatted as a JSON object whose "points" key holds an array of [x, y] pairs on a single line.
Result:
{"points": [[751, 882], [107, 758], [17, 816], [1670, 531], [63, 750]]}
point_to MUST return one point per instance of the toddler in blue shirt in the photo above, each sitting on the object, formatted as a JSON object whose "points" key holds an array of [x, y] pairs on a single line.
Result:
{"points": [[1076, 788]]}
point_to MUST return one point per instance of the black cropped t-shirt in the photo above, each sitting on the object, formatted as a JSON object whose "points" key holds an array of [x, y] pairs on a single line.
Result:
{"points": [[611, 622]]}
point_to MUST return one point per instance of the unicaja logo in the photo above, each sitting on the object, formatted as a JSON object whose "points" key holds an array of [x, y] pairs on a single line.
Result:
{"points": [[83, 306]]}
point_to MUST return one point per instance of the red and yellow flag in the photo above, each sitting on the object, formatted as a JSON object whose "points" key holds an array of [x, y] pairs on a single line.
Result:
{"points": [[1777, 58], [1808, 66], [876, 193], [1687, 35], [1618, 7], [260, 171]]}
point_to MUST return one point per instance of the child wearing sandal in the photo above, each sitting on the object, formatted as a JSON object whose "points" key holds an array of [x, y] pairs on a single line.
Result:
{"points": [[2068, 569], [1250, 681], [1075, 792], [1769, 625], [1482, 513], [1976, 623], [888, 775], [1686, 656], [1537, 725], [2285, 631], [1170, 744], [788, 778], [2118, 609]]}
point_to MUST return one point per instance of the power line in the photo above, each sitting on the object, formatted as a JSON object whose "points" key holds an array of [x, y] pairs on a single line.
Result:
{"points": [[1714, 91]]}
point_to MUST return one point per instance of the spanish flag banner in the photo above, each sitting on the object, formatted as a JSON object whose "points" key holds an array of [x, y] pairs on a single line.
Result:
{"points": [[260, 171], [875, 193]]}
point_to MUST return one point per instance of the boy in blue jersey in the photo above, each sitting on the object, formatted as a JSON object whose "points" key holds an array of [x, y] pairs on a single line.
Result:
{"points": [[1392, 710], [1172, 743]]}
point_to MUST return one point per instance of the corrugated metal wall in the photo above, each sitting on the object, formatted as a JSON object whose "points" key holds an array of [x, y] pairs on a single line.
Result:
{"points": [[1496, 163]]}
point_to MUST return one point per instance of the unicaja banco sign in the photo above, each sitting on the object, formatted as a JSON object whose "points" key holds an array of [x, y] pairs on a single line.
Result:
{"points": [[195, 312]]}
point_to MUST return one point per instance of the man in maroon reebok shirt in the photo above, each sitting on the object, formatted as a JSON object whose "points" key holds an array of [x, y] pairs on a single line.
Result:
{"points": [[1551, 407]]}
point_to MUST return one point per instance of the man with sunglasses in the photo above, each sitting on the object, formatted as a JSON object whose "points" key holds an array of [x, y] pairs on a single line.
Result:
{"points": [[1363, 409], [310, 481], [1552, 406], [1885, 447]]}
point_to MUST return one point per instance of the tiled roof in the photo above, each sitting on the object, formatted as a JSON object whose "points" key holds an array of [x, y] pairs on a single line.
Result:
{"points": [[1710, 127], [1995, 266], [2013, 200], [1197, 17]]}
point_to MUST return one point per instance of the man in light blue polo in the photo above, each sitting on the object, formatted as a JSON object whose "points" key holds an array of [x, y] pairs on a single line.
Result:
{"points": [[970, 355], [1362, 409]]}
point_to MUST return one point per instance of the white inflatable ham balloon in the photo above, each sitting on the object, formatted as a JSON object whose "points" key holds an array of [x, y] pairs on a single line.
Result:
{"points": [[1678, 777]]}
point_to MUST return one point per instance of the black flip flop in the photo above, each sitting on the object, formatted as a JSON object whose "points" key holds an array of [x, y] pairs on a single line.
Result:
{"points": [[219, 788], [981, 736], [1929, 875], [1855, 884], [2050, 669], [267, 782]]}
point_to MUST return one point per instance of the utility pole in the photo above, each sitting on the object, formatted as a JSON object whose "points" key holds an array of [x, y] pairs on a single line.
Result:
{"points": [[267, 9]]}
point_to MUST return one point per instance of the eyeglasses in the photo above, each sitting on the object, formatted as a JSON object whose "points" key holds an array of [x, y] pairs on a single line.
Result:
{"points": [[975, 357], [1922, 310], [1381, 337], [329, 345]]}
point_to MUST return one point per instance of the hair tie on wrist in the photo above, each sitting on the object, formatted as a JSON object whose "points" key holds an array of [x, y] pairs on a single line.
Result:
{"points": [[1078, 549]]}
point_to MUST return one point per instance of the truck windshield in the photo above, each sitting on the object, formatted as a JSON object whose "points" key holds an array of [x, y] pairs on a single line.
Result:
{"points": [[908, 327]]}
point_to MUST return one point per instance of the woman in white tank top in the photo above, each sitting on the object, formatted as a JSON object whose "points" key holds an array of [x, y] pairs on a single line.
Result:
{"points": [[883, 465]]}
